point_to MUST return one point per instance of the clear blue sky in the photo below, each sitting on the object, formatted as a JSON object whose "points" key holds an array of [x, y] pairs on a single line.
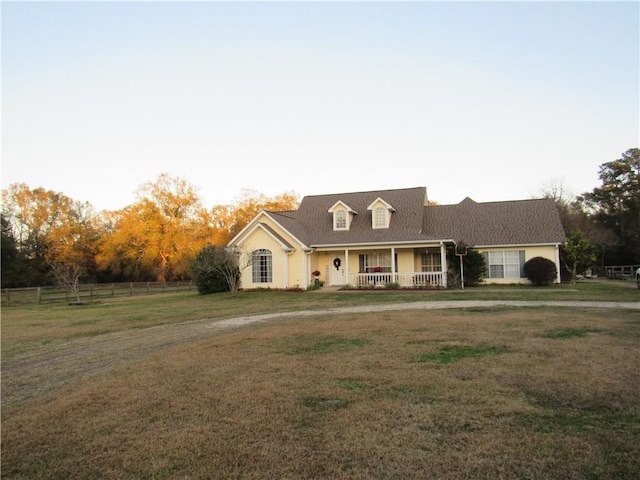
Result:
{"points": [[483, 99]]}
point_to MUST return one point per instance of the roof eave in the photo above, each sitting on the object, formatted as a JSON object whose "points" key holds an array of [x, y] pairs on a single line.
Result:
{"points": [[373, 244], [303, 245], [506, 245]]}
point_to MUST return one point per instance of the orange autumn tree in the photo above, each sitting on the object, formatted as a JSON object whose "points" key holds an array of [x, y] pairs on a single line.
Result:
{"points": [[157, 236], [51, 230]]}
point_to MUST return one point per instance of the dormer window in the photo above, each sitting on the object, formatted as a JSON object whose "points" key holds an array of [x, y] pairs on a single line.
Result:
{"points": [[380, 218], [342, 216], [380, 213]]}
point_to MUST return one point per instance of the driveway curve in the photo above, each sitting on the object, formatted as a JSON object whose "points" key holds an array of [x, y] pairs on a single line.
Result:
{"points": [[36, 373]]}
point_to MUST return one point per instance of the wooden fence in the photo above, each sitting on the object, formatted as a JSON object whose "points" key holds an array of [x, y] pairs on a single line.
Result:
{"points": [[91, 291], [619, 272]]}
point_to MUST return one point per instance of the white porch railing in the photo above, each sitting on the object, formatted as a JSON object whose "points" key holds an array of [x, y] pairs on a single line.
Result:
{"points": [[406, 280]]}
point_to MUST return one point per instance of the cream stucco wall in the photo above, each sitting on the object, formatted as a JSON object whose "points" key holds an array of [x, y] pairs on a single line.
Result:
{"points": [[406, 260], [297, 274]]}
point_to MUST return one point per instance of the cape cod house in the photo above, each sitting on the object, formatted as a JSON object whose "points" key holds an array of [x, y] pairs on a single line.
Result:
{"points": [[377, 237]]}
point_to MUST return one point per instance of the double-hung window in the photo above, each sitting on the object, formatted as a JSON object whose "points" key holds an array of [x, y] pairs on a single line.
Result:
{"points": [[376, 262], [262, 266], [505, 263], [431, 262]]}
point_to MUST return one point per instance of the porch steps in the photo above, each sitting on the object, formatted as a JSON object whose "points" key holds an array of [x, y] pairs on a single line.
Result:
{"points": [[327, 289]]}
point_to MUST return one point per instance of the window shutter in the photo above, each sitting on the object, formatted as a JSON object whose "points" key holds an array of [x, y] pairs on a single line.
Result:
{"points": [[486, 262], [361, 263], [522, 262]]}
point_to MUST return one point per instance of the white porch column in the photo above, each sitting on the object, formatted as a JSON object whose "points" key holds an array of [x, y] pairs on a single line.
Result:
{"points": [[346, 265], [306, 273], [394, 274], [558, 279], [443, 263], [286, 269]]}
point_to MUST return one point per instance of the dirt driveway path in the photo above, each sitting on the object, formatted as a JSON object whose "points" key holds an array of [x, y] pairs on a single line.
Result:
{"points": [[51, 367]]}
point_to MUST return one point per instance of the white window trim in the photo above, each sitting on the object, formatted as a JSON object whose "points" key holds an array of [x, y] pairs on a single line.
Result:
{"points": [[431, 262], [262, 272], [373, 260], [380, 217], [506, 265], [340, 223], [340, 206]]}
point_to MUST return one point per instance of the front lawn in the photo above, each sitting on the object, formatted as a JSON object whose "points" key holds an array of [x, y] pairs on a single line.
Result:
{"points": [[471, 393]]}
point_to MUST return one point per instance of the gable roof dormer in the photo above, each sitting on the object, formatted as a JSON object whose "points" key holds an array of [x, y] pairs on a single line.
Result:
{"points": [[380, 213], [342, 215]]}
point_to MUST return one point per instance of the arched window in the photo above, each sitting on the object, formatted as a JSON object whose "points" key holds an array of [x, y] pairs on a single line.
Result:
{"points": [[262, 266]]}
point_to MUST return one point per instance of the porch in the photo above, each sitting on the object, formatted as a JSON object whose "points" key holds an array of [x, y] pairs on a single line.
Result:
{"points": [[422, 266], [403, 280]]}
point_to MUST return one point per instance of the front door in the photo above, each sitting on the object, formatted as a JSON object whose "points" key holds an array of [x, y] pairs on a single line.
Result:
{"points": [[336, 268]]}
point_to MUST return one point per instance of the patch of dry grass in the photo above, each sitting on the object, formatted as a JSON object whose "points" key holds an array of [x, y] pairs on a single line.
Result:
{"points": [[344, 397]]}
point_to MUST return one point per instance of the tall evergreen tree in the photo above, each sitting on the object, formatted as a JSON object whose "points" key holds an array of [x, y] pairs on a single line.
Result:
{"points": [[616, 204]]}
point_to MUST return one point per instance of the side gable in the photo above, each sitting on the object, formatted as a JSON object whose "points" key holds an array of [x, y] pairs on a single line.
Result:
{"points": [[273, 234], [275, 225]]}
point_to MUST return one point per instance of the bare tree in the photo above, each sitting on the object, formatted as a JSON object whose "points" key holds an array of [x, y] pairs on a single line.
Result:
{"points": [[554, 188], [232, 270], [68, 276], [214, 267]]}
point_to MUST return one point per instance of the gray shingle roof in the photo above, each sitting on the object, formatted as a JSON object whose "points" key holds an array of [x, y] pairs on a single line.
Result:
{"points": [[518, 222], [313, 223]]}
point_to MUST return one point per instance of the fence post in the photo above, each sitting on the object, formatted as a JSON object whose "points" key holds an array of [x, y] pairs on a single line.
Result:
{"points": [[113, 290], [131, 288], [39, 294], [8, 296]]}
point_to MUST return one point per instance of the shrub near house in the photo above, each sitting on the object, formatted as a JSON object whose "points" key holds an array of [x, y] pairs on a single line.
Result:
{"points": [[540, 271]]}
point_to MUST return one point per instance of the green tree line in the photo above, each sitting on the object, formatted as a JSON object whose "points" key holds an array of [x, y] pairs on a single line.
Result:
{"points": [[602, 226]]}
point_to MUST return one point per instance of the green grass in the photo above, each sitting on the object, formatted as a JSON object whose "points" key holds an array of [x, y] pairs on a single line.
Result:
{"points": [[322, 345], [571, 332], [122, 313], [316, 402], [455, 353], [352, 384]]}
